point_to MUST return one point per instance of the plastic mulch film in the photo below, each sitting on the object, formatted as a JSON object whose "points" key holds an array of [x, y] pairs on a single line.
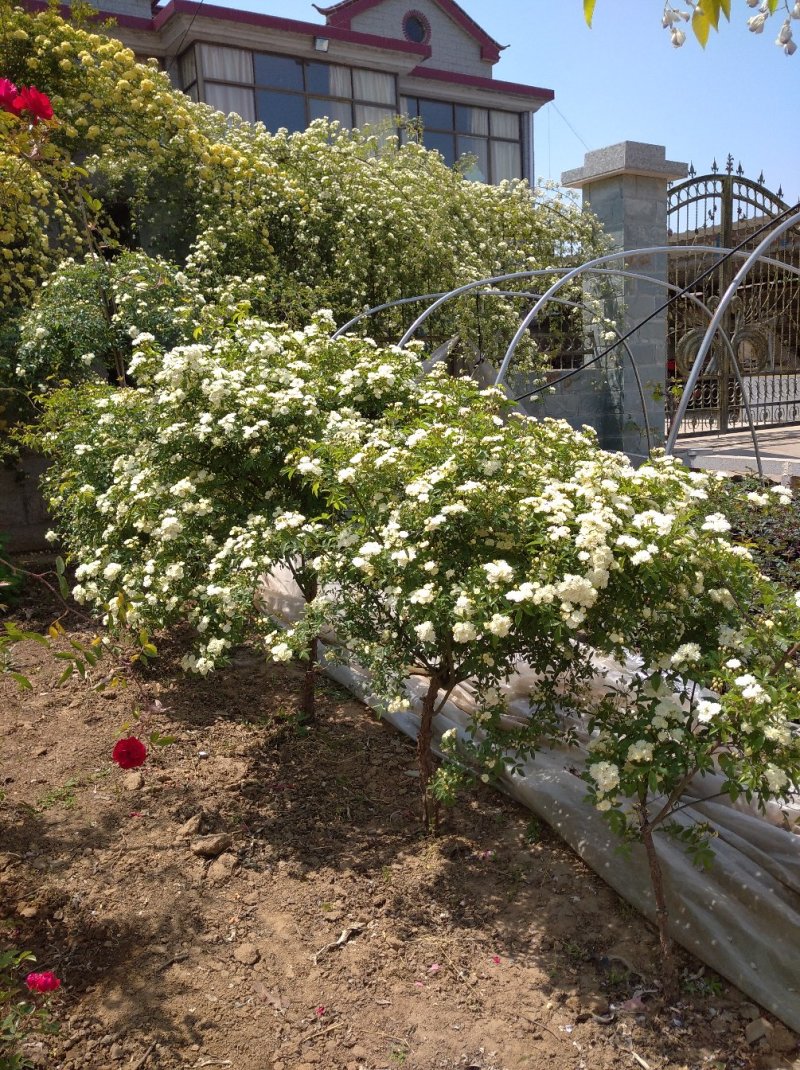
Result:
{"points": [[741, 917]]}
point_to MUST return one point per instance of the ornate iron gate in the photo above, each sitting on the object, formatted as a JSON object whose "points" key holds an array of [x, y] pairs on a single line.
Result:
{"points": [[763, 323]]}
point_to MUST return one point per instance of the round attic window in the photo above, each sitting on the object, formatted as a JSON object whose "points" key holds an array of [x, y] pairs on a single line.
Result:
{"points": [[416, 28]]}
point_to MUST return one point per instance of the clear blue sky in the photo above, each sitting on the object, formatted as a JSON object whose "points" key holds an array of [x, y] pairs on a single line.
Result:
{"points": [[622, 80]]}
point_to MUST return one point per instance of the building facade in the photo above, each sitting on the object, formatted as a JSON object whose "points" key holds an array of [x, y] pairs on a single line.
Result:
{"points": [[367, 62]]}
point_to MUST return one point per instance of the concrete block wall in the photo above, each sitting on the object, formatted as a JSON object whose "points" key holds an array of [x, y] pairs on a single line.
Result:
{"points": [[625, 186], [453, 49]]}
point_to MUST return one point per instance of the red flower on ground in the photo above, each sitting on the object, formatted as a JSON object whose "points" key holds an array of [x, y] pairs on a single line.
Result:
{"points": [[129, 753], [42, 982], [36, 104], [8, 94]]}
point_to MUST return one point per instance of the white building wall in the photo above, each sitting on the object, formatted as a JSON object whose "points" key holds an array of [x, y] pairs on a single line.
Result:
{"points": [[453, 49]]}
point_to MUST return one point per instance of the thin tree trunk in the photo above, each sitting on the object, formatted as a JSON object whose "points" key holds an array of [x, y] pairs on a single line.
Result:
{"points": [[662, 913], [308, 706], [430, 808]]}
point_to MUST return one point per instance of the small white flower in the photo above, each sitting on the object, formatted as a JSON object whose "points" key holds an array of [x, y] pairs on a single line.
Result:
{"points": [[641, 751], [307, 466], [464, 606], [498, 572], [499, 625], [685, 654], [111, 571], [776, 778], [423, 596], [706, 710], [715, 522], [464, 632], [370, 549], [526, 591], [605, 775], [425, 631]]}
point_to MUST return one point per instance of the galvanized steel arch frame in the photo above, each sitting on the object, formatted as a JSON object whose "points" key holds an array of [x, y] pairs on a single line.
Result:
{"points": [[596, 266]]}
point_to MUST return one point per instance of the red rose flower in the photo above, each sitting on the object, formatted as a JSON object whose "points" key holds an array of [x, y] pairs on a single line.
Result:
{"points": [[36, 104], [8, 94], [129, 753], [42, 982]]}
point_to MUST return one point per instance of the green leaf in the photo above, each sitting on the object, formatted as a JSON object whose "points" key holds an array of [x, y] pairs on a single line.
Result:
{"points": [[60, 566], [63, 587], [725, 5], [588, 11], [701, 26], [161, 741], [710, 8], [773, 6], [23, 681]]}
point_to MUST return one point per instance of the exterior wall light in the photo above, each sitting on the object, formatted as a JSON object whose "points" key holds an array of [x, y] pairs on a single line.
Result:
{"points": [[321, 44]]}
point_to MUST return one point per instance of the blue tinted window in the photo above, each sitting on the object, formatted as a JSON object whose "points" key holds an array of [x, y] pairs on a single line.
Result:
{"points": [[479, 148], [340, 110], [415, 29], [318, 78], [281, 109], [444, 143], [436, 115], [282, 72]]}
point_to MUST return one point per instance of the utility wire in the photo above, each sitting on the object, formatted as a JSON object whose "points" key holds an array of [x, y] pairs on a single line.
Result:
{"points": [[661, 308], [185, 35], [569, 124]]}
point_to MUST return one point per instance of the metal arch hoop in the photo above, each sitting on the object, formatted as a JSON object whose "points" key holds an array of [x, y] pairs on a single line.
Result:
{"points": [[608, 258], [523, 293], [594, 265]]}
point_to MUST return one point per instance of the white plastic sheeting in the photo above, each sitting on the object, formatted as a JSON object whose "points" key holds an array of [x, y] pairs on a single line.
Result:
{"points": [[741, 917]]}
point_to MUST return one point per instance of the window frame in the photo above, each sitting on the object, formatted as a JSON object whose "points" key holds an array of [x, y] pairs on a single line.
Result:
{"points": [[307, 94], [489, 138]]}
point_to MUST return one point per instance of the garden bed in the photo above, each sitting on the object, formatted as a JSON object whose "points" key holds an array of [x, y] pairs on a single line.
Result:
{"points": [[328, 933]]}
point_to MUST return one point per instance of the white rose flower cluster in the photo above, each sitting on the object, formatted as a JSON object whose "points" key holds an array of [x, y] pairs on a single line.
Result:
{"points": [[177, 503]]}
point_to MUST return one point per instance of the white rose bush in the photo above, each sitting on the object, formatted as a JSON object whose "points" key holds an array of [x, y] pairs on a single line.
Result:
{"points": [[173, 494], [212, 431], [436, 533]]}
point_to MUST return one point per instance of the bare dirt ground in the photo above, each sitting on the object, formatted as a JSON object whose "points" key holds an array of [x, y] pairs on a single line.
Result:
{"points": [[323, 931]]}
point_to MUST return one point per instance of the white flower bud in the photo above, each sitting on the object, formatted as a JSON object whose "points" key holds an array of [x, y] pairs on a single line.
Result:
{"points": [[756, 24], [785, 35]]}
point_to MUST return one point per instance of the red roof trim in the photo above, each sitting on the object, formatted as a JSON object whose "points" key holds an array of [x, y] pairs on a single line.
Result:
{"points": [[544, 95], [315, 29], [341, 15]]}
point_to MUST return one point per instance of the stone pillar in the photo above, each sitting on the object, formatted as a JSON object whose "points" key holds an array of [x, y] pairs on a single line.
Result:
{"points": [[625, 186]]}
